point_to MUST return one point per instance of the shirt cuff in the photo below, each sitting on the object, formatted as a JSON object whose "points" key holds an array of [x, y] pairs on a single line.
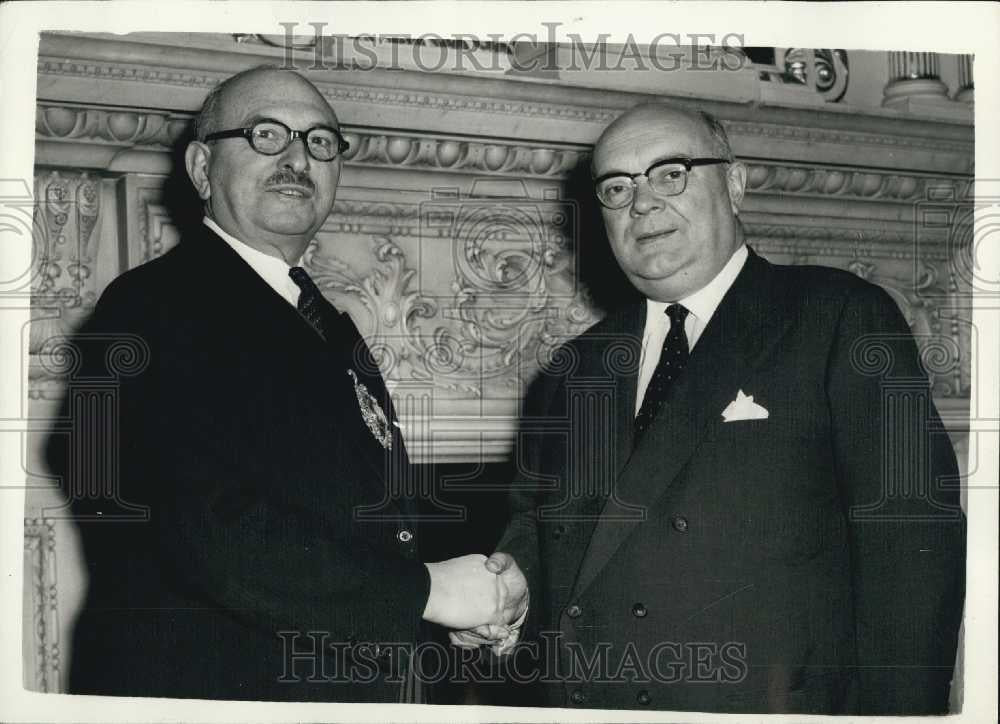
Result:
{"points": [[505, 645]]}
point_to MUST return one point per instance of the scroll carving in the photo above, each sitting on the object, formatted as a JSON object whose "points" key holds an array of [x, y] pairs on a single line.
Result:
{"points": [[64, 250], [506, 306]]}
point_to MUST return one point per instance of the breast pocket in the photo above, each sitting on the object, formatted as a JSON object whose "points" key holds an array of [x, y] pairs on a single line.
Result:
{"points": [[774, 480]]}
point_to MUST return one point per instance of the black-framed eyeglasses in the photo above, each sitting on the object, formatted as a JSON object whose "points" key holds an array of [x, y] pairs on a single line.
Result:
{"points": [[667, 177], [270, 137]]}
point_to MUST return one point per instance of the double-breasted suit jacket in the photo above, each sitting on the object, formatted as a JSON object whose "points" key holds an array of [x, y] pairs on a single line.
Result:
{"points": [[254, 569], [809, 561]]}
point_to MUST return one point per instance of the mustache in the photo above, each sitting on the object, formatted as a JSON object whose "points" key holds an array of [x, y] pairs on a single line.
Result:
{"points": [[288, 176]]}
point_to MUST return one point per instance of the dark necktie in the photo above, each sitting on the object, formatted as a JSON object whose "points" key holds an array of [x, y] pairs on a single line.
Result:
{"points": [[673, 360], [334, 327], [312, 305]]}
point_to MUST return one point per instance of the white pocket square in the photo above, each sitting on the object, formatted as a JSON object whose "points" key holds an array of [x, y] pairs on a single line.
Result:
{"points": [[744, 408]]}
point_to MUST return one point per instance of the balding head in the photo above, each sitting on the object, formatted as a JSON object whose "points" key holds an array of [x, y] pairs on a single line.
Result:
{"points": [[671, 244], [223, 97], [697, 124]]}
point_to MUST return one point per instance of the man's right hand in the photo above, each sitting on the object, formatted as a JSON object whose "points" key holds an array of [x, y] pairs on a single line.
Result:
{"points": [[464, 593]]}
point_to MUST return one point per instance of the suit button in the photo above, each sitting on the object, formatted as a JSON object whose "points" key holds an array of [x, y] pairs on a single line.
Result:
{"points": [[574, 611], [404, 536], [643, 698], [680, 524], [577, 697], [559, 531], [639, 611]]}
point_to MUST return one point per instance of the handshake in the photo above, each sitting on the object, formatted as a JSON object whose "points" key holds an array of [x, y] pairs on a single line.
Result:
{"points": [[483, 600]]}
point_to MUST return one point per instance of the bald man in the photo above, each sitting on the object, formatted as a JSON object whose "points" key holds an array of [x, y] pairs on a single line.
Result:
{"points": [[747, 501], [249, 539]]}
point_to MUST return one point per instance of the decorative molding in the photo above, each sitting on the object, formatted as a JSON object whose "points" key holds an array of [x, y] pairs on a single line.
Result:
{"points": [[558, 109], [827, 181], [129, 129], [847, 138], [123, 127], [453, 154], [453, 102], [40, 584], [125, 72], [493, 157], [334, 92], [132, 127]]}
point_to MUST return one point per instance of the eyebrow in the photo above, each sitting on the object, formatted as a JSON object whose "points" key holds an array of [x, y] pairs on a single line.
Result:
{"points": [[258, 117]]}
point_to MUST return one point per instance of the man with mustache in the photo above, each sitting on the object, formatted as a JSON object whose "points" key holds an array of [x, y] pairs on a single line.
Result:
{"points": [[747, 501], [276, 557]]}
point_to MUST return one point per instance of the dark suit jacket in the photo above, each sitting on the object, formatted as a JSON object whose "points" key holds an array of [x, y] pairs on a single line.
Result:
{"points": [[206, 405], [812, 561]]}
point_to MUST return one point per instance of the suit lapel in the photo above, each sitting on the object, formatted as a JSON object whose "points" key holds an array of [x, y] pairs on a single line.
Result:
{"points": [[245, 301], [625, 334], [744, 327], [391, 466], [599, 398]]}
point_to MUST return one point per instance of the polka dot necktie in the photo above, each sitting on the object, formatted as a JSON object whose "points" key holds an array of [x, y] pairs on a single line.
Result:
{"points": [[673, 360], [312, 305]]}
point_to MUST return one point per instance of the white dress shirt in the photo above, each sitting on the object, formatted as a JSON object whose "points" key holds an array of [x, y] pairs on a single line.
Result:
{"points": [[271, 269], [701, 306]]}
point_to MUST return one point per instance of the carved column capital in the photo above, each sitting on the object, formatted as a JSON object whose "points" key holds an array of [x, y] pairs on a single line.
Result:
{"points": [[913, 75], [915, 86], [966, 88]]}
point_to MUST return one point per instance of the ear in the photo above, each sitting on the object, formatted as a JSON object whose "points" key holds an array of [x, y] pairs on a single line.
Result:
{"points": [[197, 158], [736, 181]]}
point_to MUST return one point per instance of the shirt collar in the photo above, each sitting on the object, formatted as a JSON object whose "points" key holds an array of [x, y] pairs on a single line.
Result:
{"points": [[703, 303], [271, 269]]}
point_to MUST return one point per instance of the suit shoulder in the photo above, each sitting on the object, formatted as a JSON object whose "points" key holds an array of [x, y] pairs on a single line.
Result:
{"points": [[617, 325], [137, 297], [839, 296], [824, 283], [616, 320], [144, 283]]}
